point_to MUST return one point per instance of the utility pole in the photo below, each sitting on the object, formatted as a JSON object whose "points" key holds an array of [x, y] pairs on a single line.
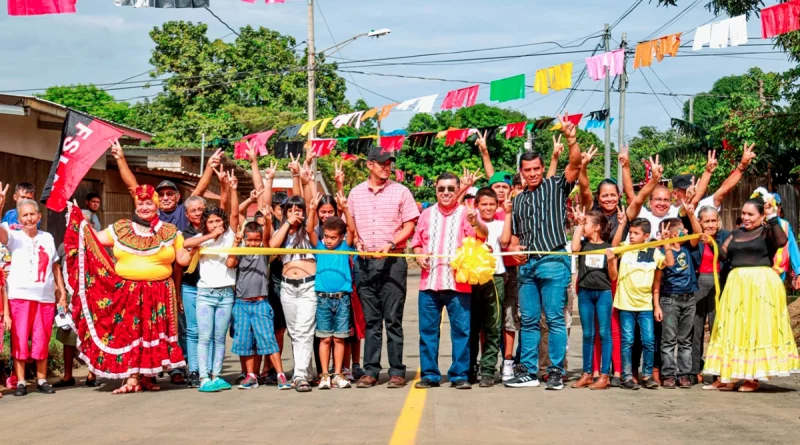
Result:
{"points": [[607, 154], [691, 110], [623, 85], [203, 155], [311, 68]]}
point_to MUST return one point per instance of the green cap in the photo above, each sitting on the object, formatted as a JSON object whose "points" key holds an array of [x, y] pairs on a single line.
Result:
{"points": [[500, 177]]}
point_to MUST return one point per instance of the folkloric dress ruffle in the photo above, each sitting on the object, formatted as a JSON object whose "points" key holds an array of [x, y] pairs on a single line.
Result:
{"points": [[124, 327]]}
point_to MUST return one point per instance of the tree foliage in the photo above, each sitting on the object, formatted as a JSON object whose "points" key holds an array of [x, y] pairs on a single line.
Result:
{"points": [[89, 99]]}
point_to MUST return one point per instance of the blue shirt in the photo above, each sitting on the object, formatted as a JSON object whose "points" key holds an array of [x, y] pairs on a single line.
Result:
{"points": [[679, 278], [176, 217], [333, 271], [12, 219]]}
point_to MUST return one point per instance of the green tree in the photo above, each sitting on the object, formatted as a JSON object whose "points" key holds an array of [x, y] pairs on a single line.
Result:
{"points": [[89, 99]]}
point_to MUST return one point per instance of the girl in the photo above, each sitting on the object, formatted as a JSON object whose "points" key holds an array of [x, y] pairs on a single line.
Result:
{"points": [[298, 298], [595, 274], [214, 289]]}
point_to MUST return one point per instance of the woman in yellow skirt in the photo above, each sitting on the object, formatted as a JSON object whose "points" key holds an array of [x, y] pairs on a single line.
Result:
{"points": [[752, 338]]}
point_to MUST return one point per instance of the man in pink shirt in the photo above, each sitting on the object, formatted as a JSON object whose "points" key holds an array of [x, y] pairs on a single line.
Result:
{"points": [[440, 231], [384, 212]]}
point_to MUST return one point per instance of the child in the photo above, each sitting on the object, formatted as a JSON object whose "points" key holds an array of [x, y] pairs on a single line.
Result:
{"points": [[252, 313], [333, 286], [269, 375], [297, 288], [635, 299], [487, 298], [595, 274], [675, 305], [214, 290]]}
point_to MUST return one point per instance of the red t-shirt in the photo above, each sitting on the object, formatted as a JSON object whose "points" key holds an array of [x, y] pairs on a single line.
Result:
{"points": [[707, 263]]}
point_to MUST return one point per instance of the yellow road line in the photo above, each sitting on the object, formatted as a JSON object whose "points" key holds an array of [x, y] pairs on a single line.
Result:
{"points": [[405, 430]]}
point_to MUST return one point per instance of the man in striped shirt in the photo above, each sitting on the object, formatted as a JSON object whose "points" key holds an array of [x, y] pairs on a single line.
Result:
{"points": [[384, 212], [539, 224]]}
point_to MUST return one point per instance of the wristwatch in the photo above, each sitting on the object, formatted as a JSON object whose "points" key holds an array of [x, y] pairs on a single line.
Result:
{"points": [[393, 245]]}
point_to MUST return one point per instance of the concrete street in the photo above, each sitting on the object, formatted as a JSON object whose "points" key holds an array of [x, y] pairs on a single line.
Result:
{"points": [[359, 416]]}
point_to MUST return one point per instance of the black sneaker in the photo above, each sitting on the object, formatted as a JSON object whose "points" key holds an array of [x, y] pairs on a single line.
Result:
{"points": [[45, 388], [64, 383], [92, 383], [194, 380], [555, 381], [521, 380], [426, 384], [629, 384], [461, 384], [649, 383], [615, 382], [486, 381], [22, 390]]}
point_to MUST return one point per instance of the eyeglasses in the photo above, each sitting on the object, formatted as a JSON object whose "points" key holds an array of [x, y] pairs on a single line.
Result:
{"points": [[167, 193], [449, 188]]}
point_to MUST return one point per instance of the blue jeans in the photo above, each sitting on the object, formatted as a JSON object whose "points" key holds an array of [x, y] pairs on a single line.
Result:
{"points": [[187, 326], [591, 303], [543, 286], [213, 317], [333, 316], [430, 317], [627, 323]]}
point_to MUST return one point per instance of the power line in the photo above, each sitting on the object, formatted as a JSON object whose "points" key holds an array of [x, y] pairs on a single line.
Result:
{"points": [[625, 14], [654, 92], [220, 20], [680, 105], [672, 20]]}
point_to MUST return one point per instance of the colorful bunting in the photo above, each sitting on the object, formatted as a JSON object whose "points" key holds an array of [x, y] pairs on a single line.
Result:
{"points": [[40, 7], [660, 47], [510, 88], [595, 123], [575, 119], [385, 110], [359, 146], [780, 19], [392, 143], [284, 149], [323, 125], [424, 139], [322, 147], [164, 3], [259, 144], [348, 157], [515, 130], [456, 135], [369, 114], [456, 98], [558, 77]]}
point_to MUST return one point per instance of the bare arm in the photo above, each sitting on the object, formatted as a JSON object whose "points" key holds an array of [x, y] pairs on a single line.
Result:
{"points": [[405, 232], [312, 220], [265, 200], [587, 201], [558, 147], [280, 235], [213, 163], [627, 181], [736, 175], [234, 189], [636, 204], [574, 166], [196, 241], [611, 259], [505, 237], [62, 292], [341, 201], [576, 238], [657, 314], [255, 171], [696, 228], [124, 171], [488, 168], [233, 260]]}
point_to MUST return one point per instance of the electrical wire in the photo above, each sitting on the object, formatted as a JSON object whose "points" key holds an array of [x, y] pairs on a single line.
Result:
{"points": [[339, 50], [220, 20], [654, 91]]}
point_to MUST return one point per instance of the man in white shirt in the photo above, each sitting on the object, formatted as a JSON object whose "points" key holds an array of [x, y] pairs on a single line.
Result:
{"points": [[34, 284]]}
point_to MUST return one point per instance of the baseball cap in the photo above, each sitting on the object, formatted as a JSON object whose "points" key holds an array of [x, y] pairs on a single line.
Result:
{"points": [[500, 177], [379, 154], [682, 181], [166, 184]]}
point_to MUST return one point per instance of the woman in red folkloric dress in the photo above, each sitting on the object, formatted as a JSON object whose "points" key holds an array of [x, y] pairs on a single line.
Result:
{"points": [[125, 309]]}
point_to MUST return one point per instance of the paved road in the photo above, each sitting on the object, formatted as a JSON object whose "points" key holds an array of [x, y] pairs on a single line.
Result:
{"points": [[355, 416]]}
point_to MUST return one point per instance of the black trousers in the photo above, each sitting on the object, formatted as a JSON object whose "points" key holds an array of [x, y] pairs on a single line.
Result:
{"points": [[381, 286]]}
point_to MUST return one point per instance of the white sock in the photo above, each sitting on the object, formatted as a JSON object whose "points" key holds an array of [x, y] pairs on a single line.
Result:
{"points": [[20, 384], [41, 381]]}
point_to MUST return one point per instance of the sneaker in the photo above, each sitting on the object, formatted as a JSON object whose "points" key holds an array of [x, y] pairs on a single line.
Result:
{"points": [[486, 381], [649, 383], [615, 382], [221, 384], [341, 381], [240, 379], [461, 384], [194, 380], [628, 384], [22, 390], [522, 381], [358, 371], [283, 382], [251, 382], [426, 384], [508, 370], [207, 385], [684, 382], [348, 375], [270, 378], [555, 381], [325, 381], [45, 388]]}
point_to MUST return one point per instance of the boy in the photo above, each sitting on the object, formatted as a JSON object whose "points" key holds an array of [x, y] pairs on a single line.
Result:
{"points": [[334, 284], [486, 298], [634, 299], [675, 305], [268, 375], [252, 313]]}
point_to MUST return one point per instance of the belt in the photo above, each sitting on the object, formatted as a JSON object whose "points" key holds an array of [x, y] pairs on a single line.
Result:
{"points": [[299, 281], [252, 299], [333, 295], [391, 251]]}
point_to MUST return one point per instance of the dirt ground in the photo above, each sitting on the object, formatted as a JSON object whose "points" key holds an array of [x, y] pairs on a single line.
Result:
{"points": [[359, 416]]}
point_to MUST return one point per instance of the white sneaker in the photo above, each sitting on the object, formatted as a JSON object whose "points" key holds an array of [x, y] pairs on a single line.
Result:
{"points": [[325, 381], [348, 374], [340, 381], [508, 370]]}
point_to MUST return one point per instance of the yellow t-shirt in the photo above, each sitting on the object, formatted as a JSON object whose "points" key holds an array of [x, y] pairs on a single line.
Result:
{"points": [[635, 280], [145, 256]]}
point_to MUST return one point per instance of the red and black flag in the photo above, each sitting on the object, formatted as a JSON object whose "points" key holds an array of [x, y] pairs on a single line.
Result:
{"points": [[83, 140], [164, 3]]}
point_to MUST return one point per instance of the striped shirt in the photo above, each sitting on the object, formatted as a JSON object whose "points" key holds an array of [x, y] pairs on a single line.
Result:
{"points": [[441, 234], [381, 213], [540, 216]]}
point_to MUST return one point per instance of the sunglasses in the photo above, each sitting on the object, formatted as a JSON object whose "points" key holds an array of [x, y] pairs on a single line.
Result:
{"points": [[449, 188], [169, 193]]}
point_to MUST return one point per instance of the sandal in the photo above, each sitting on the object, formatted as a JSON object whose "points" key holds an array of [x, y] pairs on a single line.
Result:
{"points": [[302, 385], [148, 384], [717, 384], [749, 387], [129, 387]]}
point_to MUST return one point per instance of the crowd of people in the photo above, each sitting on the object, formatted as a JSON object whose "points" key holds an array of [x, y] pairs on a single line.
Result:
{"points": [[137, 299]]}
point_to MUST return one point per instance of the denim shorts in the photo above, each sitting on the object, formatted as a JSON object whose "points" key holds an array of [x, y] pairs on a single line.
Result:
{"points": [[254, 332], [333, 316]]}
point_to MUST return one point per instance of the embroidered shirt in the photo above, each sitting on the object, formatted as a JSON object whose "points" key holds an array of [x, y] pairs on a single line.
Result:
{"points": [[441, 234]]}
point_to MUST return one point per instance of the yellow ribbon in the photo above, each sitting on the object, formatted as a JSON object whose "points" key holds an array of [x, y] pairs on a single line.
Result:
{"points": [[283, 251]]}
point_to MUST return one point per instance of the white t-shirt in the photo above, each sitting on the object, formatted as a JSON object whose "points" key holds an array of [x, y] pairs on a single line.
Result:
{"points": [[493, 240], [32, 259], [674, 212], [213, 271]]}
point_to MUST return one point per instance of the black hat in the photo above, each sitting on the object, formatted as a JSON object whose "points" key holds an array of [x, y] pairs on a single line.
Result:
{"points": [[167, 185], [380, 154], [682, 181]]}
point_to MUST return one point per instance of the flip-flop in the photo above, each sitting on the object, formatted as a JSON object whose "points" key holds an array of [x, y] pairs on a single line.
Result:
{"points": [[713, 386], [749, 387], [302, 385], [727, 387], [128, 388]]}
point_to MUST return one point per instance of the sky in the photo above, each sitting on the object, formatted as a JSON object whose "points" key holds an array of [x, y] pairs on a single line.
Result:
{"points": [[104, 43]]}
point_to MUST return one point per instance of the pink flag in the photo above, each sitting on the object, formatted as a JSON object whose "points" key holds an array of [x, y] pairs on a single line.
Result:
{"points": [[419, 180], [322, 147], [40, 7], [259, 142], [400, 175], [392, 143], [456, 135], [456, 98], [515, 130]]}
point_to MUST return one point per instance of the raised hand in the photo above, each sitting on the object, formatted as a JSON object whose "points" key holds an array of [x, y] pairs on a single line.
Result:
{"points": [[567, 127], [622, 217], [116, 149], [656, 168], [310, 154], [233, 181], [481, 143], [306, 174], [587, 157], [237, 239], [472, 214], [508, 205], [216, 233], [269, 173], [691, 192], [341, 200], [313, 204], [712, 162], [294, 165], [216, 159], [558, 147], [250, 152], [222, 176], [624, 156], [747, 155], [338, 174], [3, 193], [688, 206], [579, 213], [254, 194], [468, 178], [769, 207]]}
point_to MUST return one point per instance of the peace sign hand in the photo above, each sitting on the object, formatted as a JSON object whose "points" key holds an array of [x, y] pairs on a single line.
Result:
{"points": [[250, 152], [656, 168], [624, 156], [567, 127], [622, 217], [233, 180], [558, 147], [338, 173], [216, 159], [116, 149], [481, 143], [341, 200], [269, 173], [587, 157], [712, 162], [3, 193], [294, 165], [691, 192], [747, 156], [472, 214], [237, 239], [579, 214]]}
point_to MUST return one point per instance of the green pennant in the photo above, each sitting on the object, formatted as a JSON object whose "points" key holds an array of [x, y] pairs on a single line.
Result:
{"points": [[510, 88]]}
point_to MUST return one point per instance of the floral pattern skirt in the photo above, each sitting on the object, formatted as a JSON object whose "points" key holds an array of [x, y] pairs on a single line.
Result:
{"points": [[124, 327]]}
